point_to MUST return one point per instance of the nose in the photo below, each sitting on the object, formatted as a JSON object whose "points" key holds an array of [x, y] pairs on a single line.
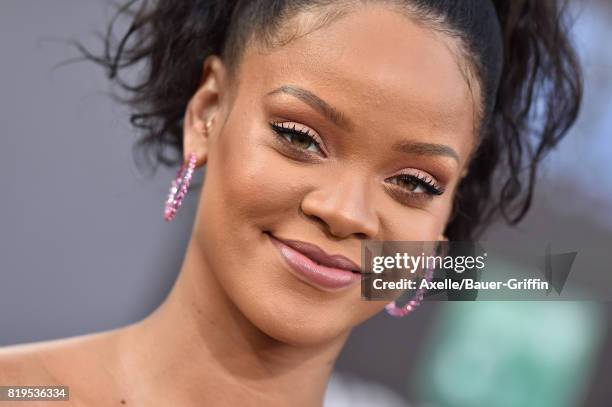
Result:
{"points": [[343, 208]]}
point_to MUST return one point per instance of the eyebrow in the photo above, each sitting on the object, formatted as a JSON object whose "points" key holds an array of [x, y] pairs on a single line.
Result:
{"points": [[339, 119], [314, 101], [421, 148]]}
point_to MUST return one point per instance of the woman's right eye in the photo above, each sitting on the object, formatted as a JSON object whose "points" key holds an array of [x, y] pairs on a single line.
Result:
{"points": [[298, 136]]}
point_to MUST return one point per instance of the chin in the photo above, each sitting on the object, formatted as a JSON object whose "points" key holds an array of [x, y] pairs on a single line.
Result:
{"points": [[296, 323], [290, 311]]}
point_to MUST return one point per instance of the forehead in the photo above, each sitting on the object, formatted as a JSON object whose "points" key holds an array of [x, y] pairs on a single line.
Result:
{"points": [[379, 67]]}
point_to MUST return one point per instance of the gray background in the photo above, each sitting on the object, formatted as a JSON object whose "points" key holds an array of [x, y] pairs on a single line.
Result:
{"points": [[84, 248]]}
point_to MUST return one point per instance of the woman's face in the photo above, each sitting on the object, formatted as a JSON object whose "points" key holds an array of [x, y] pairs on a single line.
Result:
{"points": [[357, 130]]}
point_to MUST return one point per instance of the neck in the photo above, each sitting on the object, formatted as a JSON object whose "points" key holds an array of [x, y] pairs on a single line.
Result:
{"points": [[198, 348]]}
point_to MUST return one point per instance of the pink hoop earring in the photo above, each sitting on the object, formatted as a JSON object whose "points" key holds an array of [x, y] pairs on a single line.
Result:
{"points": [[395, 311], [179, 187]]}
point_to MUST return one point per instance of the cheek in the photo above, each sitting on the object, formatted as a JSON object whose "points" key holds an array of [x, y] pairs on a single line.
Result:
{"points": [[250, 184], [413, 224], [248, 190]]}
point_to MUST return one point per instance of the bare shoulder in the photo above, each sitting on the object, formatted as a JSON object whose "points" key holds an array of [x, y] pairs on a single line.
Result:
{"points": [[27, 364], [83, 363]]}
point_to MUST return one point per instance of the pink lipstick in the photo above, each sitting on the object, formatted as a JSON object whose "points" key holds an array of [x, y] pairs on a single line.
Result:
{"points": [[314, 266]]}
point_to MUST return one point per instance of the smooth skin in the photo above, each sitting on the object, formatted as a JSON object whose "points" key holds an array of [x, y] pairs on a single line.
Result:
{"points": [[237, 327]]}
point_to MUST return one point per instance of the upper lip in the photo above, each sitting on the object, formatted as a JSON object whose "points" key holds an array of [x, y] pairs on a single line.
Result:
{"points": [[319, 255]]}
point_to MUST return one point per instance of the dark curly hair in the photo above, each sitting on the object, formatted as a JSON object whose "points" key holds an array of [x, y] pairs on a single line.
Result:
{"points": [[518, 50]]}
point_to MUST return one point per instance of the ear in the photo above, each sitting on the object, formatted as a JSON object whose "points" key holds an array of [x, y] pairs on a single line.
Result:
{"points": [[202, 109]]}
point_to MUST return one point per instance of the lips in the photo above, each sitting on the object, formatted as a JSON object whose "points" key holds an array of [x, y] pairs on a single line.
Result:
{"points": [[314, 266], [319, 256]]}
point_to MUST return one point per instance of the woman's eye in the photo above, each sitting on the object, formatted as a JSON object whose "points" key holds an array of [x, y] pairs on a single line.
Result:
{"points": [[417, 184], [301, 141], [410, 184], [298, 136]]}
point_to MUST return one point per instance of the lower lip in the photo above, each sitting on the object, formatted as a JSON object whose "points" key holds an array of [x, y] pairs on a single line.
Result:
{"points": [[317, 275]]}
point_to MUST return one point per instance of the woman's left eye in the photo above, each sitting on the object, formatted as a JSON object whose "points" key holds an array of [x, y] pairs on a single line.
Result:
{"points": [[298, 136], [417, 184]]}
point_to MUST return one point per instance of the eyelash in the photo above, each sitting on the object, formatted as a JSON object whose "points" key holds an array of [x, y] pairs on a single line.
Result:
{"points": [[431, 187]]}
